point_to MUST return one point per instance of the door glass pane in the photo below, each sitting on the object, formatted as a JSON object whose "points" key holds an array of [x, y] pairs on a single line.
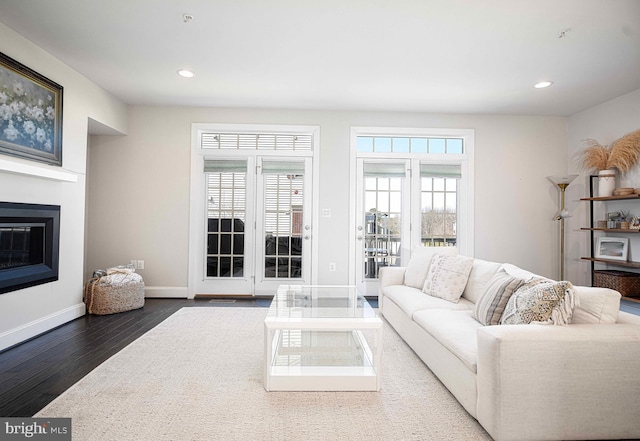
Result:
{"points": [[382, 231], [226, 204], [283, 225], [439, 211]]}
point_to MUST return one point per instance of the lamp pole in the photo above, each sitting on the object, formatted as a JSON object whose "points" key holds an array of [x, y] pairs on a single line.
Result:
{"points": [[563, 186], [562, 182]]}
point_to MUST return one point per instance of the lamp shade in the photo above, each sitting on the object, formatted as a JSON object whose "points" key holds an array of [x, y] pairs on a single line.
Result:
{"points": [[559, 180]]}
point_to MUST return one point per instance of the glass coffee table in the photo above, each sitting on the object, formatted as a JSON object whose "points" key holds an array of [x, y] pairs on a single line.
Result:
{"points": [[322, 338]]}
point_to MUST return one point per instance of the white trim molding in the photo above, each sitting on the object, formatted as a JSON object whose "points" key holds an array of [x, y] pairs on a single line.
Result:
{"points": [[29, 330], [166, 292], [56, 174]]}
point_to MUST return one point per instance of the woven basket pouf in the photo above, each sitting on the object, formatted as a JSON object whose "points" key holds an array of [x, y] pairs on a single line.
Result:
{"points": [[118, 291]]}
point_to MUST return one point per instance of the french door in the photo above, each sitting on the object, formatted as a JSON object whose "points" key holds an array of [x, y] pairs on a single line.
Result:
{"points": [[283, 226], [257, 228], [382, 219]]}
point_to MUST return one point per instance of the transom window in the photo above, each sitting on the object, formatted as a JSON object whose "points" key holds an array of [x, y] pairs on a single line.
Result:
{"points": [[399, 144], [256, 141]]}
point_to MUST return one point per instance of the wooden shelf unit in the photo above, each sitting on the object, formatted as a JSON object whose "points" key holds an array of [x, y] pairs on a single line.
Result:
{"points": [[592, 229]]}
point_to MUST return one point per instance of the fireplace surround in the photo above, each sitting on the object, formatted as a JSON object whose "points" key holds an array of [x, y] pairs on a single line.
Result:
{"points": [[29, 245]]}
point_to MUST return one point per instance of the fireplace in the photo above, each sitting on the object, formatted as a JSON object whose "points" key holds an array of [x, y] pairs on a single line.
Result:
{"points": [[29, 244]]}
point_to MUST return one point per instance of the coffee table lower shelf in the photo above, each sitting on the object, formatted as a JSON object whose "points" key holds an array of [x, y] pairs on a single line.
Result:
{"points": [[321, 360]]}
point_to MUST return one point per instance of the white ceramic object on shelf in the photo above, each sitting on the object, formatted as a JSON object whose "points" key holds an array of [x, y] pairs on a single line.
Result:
{"points": [[606, 183]]}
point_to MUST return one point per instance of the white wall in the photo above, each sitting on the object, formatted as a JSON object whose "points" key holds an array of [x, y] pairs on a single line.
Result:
{"points": [[604, 123], [139, 186], [33, 310]]}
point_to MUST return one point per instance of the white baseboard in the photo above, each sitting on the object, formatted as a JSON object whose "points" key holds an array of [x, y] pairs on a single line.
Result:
{"points": [[170, 292], [37, 327]]}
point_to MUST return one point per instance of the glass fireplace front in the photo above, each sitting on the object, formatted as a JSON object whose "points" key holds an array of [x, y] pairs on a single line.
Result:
{"points": [[29, 243]]}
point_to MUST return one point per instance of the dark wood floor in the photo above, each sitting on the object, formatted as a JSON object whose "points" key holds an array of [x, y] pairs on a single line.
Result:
{"points": [[34, 373]]}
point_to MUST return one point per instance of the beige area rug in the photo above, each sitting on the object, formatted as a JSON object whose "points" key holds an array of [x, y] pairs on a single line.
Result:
{"points": [[198, 376]]}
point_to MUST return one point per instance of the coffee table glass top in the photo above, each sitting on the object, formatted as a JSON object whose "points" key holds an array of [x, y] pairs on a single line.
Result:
{"points": [[309, 302]]}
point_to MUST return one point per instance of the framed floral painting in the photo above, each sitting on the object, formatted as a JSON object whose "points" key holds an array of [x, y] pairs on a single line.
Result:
{"points": [[30, 114]]}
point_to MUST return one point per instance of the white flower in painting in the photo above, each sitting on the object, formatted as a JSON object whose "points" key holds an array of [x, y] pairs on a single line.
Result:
{"points": [[29, 127], [18, 89], [40, 135], [15, 107], [5, 112], [11, 133], [38, 114], [51, 114], [3, 98], [47, 145]]}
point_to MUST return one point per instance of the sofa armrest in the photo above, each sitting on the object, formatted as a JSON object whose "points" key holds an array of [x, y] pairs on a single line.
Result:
{"points": [[389, 275], [559, 382]]}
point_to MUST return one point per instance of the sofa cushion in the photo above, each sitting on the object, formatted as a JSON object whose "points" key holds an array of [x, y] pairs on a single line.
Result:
{"points": [[447, 276], [419, 264], [499, 289], [540, 301], [455, 330], [595, 305], [481, 272], [411, 300]]}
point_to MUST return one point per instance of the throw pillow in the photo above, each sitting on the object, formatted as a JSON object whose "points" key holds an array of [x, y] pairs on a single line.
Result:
{"points": [[419, 264], [447, 276], [491, 305], [540, 301]]}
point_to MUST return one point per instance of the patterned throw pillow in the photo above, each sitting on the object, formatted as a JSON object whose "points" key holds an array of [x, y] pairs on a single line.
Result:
{"points": [[540, 301], [447, 276], [497, 293]]}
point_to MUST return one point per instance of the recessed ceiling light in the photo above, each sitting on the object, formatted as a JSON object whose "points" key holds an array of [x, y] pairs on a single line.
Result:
{"points": [[185, 73], [543, 84]]}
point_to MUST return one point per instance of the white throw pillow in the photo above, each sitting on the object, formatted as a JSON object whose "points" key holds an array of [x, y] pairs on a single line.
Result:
{"points": [[596, 305], [417, 268], [447, 276]]}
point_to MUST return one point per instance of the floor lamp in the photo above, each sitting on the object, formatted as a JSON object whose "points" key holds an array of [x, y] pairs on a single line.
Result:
{"points": [[562, 182]]}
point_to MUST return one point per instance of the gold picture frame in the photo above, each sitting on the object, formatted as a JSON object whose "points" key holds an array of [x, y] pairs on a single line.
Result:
{"points": [[30, 113]]}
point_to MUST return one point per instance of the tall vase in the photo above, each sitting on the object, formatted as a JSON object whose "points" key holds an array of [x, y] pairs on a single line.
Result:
{"points": [[606, 183]]}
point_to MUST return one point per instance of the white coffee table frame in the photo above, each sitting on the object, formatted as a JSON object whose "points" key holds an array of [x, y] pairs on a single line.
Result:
{"points": [[298, 309]]}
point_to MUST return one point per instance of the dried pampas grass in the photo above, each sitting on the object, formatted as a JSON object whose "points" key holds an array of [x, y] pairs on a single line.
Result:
{"points": [[623, 154]]}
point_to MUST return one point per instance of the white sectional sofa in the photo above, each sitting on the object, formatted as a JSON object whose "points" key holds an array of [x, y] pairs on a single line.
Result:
{"points": [[578, 381]]}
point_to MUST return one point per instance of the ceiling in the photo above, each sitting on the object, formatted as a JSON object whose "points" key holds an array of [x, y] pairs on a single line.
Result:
{"points": [[445, 56]]}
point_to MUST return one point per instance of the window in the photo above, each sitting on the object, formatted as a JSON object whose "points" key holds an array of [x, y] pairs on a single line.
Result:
{"points": [[386, 144], [226, 214], [261, 141], [439, 204], [426, 202]]}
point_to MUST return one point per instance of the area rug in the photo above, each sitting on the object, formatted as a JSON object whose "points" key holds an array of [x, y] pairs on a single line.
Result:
{"points": [[198, 376]]}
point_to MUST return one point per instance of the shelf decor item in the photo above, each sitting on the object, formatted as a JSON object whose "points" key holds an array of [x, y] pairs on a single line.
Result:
{"points": [[30, 114], [612, 248], [622, 155], [625, 282], [562, 182], [634, 224]]}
